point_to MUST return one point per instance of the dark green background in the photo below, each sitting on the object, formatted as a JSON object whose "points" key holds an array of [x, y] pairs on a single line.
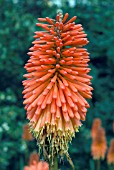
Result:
{"points": [[17, 26]]}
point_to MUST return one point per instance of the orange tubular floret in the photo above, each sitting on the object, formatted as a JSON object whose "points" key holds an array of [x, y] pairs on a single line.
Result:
{"points": [[71, 20], [49, 20], [41, 19], [65, 17], [62, 97], [66, 116], [58, 101]]}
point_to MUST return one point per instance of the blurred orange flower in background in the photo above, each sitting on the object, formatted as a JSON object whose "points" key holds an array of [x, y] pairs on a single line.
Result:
{"points": [[57, 82], [99, 144], [110, 155], [96, 124], [36, 164], [26, 133], [34, 157]]}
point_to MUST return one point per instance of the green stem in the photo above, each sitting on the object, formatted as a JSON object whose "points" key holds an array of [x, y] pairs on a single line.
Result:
{"points": [[98, 164], [54, 165], [112, 166]]}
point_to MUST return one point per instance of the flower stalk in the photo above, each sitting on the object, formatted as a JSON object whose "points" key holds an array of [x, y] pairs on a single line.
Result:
{"points": [[98, 164], [54, 165]]}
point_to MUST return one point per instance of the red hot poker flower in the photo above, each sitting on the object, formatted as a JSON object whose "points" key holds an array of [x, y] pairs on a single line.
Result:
{"points": [[96, 124], [57, 82], [110, 155], [99, 145]]}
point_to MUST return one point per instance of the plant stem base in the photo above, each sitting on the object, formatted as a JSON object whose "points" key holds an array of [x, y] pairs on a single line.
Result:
{"points": [[54, 166]]}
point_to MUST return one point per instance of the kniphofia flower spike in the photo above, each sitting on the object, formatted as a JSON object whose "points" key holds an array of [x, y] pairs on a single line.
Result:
{"points": [[57, 82], [99, 145], [96, 124], [110, 155]]}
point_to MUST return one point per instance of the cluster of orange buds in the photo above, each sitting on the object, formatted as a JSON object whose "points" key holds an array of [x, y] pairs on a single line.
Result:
{"points": [[96, 124], [26, 133], [57, 82], [110, 155], [36, 164], [99, 144]]}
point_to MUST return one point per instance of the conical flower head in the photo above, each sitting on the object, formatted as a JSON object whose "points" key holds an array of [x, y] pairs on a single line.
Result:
{"points": [[110, 156], [96, 124], [57, 82], [99, 145]]}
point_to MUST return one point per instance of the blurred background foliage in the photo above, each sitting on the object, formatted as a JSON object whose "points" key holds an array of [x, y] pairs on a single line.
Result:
{"points": [[17, 24]]}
